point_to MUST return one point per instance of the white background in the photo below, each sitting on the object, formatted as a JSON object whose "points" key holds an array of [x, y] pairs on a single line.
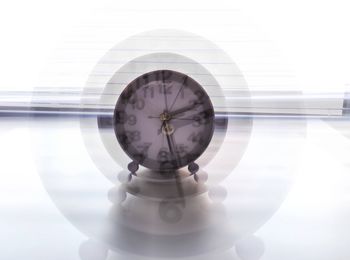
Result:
{"points": [[311, 36]]}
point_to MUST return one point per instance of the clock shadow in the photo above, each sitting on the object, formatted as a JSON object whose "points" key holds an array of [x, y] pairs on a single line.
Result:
{"points": [[165, 215]]}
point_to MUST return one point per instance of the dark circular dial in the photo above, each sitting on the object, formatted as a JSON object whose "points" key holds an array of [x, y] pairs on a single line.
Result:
{"points": [[164, 120]]}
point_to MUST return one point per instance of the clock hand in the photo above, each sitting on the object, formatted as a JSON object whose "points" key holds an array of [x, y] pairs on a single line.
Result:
{"points": [[161, 127], [153, 117], [164, 92], [178, 93], [166, 116], [184, 109], [179, 122], [171, 144], [171, 148], [165, 97]]}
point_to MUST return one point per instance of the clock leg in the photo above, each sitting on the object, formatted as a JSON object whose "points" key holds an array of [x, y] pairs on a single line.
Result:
{"points": [[193, 169], [133, 167]]}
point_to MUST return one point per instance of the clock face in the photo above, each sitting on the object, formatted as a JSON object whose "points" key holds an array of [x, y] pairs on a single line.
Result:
{"points": [[164, 120]]}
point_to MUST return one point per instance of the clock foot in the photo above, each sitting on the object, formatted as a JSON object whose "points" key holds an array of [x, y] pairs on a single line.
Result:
{"points": [[133, 167], [193, 169]]}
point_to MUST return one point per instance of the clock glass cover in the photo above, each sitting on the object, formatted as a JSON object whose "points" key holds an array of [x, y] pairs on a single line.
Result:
{"points": [[164, 120]]}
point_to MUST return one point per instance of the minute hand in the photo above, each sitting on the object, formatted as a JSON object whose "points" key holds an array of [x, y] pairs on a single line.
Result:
{"points": [[179, 122], [184, 109]]}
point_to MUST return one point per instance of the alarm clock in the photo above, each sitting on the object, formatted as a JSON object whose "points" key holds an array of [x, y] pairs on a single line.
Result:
{"points": [[164, 120]]}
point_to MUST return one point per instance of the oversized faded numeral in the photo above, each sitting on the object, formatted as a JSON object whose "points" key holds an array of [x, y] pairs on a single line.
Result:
{"points": [[181, 149], [195, 137], [202, 118], [137, 103], [148, 92], [143, 148], [132, 120], [167, 89], [163, 156], [133, 136]]}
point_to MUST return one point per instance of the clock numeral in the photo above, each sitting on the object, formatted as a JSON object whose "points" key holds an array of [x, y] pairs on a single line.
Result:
{"points": [[197, 121], [200, 94], [181, 149], [132, 136], [203, 118], [132, 120], [137, 103], [165, 159], [196, 138], [165, 89], [163, 156], [143, 148], [126, 95], [195, 103], [148, 92]]}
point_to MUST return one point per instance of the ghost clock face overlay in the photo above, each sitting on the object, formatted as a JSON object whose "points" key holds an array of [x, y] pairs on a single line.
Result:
{"points": [[164, 120]]}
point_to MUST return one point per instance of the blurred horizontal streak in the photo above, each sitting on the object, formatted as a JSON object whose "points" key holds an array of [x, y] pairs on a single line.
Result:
{"points": [[76, 102], [72, 112], [229, 94], [19, 111]]}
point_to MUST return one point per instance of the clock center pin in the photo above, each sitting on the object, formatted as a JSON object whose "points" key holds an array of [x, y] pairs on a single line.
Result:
{"points": [[165, 116]]}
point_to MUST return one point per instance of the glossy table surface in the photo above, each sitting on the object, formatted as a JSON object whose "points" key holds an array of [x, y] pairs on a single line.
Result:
{"points": [[288, 198]]}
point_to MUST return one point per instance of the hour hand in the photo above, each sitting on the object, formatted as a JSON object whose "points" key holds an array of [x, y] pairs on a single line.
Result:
{"points": [[171, 143], [184, 109]]}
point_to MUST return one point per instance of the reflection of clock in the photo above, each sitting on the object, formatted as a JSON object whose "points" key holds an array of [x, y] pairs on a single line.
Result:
{"points": [[164, 120]]}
